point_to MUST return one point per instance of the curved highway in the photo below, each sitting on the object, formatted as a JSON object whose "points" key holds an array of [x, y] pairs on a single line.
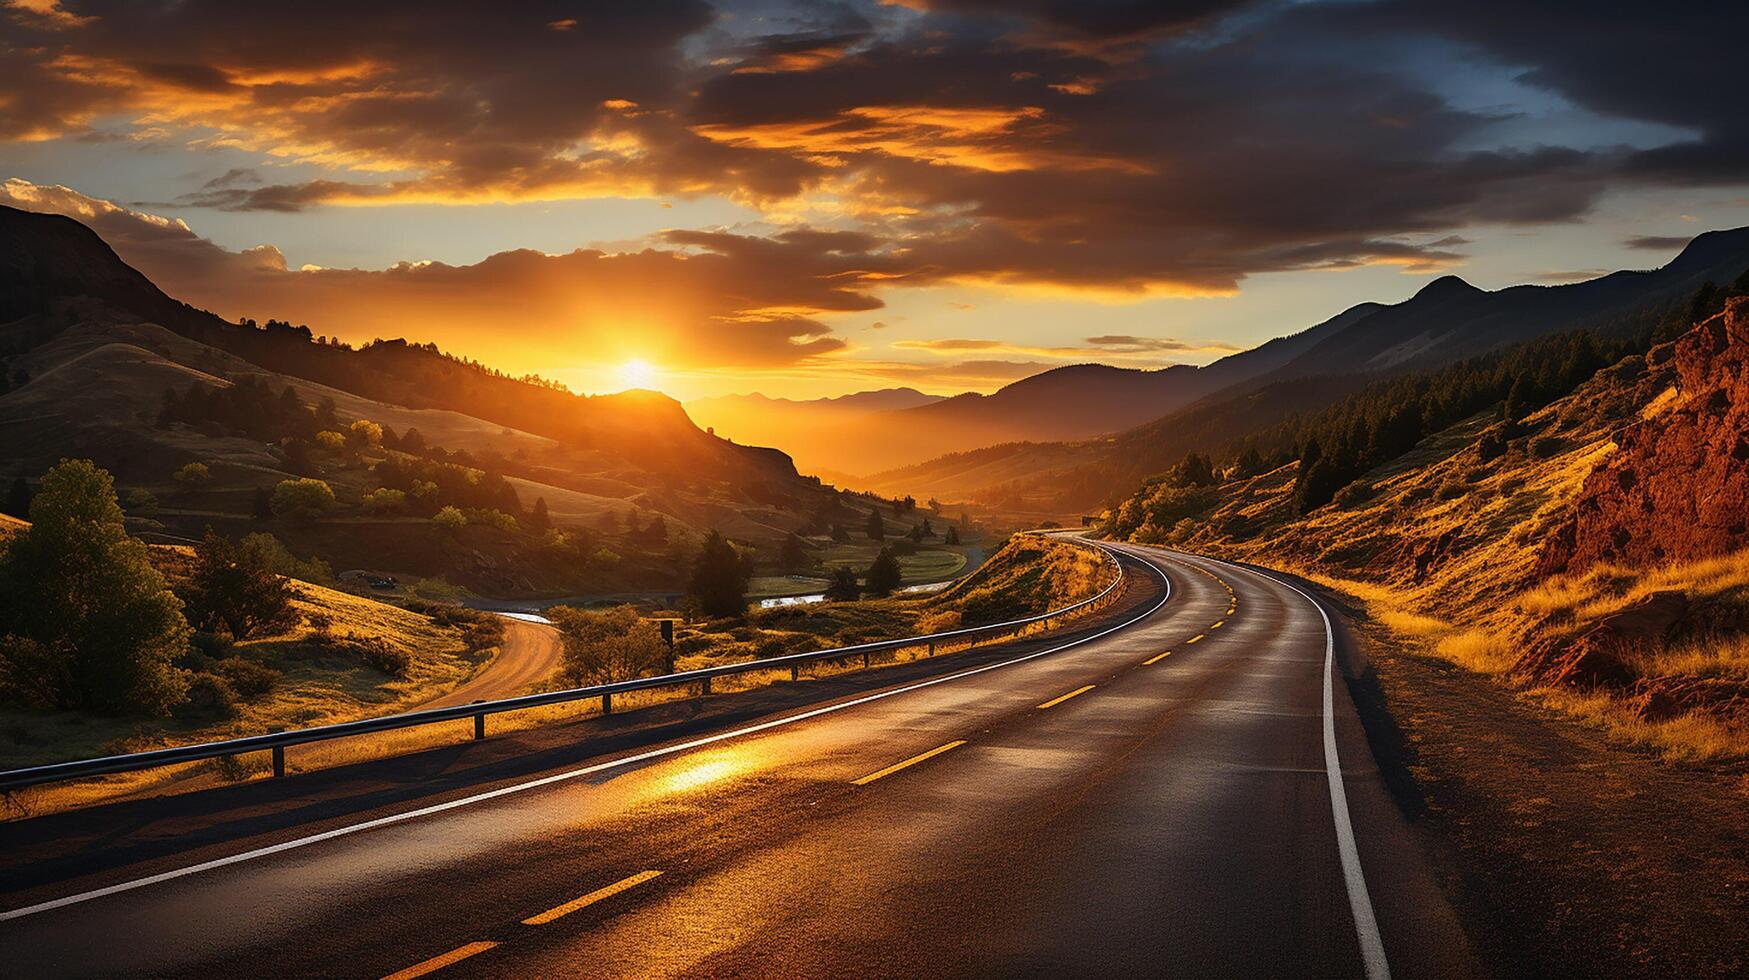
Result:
{"points": [[1149, 799]]}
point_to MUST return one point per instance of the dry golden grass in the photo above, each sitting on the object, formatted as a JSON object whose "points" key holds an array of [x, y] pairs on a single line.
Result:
{"points": [[1689, 738]]}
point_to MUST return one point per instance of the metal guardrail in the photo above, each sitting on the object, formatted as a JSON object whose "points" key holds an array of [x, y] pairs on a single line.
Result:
{"points": [[276, 742]]}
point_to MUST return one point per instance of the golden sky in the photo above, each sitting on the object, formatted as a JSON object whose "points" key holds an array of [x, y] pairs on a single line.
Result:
{"points": [[814, 198]]}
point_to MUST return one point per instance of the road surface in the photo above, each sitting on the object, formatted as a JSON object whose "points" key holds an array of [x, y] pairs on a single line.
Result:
{"points": [[530, 652], [1153, 799]]}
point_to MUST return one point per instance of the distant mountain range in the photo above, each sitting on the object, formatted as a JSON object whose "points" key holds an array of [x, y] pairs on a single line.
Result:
{"points": [[1446, 321]]}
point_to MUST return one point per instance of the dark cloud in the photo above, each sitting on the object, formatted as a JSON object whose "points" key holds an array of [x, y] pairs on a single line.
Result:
{"points": [[1657, 243], [1140, 148]]}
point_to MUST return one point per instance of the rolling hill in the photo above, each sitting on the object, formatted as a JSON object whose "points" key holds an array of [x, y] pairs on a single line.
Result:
{"points": [[96, 358], [1446, 321]]}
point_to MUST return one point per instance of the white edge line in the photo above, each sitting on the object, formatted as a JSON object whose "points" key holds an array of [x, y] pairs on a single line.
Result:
{"points": [[1366, 926], [395, 818]]}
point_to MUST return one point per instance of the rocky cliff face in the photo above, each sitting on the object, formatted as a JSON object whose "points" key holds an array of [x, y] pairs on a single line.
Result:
{"points": [[1677, 489]]}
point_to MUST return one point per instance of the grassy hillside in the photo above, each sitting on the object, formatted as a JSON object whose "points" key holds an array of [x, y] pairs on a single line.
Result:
{"points": [[1441, 546], [344, 657]]}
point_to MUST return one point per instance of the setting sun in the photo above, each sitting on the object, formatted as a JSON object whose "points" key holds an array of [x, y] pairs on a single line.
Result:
{"points": [[637, 373]]}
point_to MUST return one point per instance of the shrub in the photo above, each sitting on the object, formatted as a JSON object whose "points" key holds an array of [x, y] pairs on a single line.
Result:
{"points": [[364, 434], [1452, 491], [140, 503], [209, 696], [489, 517], [192, 474], [612, 645], [449, 519], [331, 441], [250, 680], [216, 646], [302, 498], [380, 655], [1546, 446], [384, 500]]}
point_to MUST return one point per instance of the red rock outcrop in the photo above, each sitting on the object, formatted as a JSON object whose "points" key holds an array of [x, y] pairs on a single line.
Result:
{"points": [[1596, 658], [1677, 489]]}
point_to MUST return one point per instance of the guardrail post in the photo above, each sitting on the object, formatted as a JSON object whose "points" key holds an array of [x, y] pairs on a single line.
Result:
{"points": [[795, 672], [931, 651], [865, 660], [479, 722], [607, 703], [278, 758], [704, 687]]}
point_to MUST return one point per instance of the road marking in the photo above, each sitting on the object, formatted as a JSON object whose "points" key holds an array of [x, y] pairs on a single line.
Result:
{"points": [[1366, 925], [1156, 658], [560, 911], [1193, 639], [1059, 700], [1218, 625], [572, 774], [895, 767], [439, 962]]}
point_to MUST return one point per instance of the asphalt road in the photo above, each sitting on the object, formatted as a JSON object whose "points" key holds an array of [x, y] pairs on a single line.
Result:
{"points": [[530, 652], [1154, 800]]}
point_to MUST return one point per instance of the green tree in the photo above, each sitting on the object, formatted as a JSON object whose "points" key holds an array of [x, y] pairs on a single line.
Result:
{"points": [[192, 474], [607, 646], [877, 528], [538, 519], [234, 586], [302, 498], [719, 578], [83, 612], [952, 536], [884, 574], [843, 586], [449, 519]]}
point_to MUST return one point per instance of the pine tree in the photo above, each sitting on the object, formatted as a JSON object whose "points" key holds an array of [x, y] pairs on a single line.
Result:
{"points": [[719, 578], [877, 528], [884, 574], [538, 519]]}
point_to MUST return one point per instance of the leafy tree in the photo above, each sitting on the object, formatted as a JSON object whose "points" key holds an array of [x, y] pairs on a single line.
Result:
{"points": [[450, 519], [139, 502], [877, 528], [719, 578], [883, 574], [794, 555], [234, 586], [843, 586], [607, 646], [302, 498], [331, 441], [192, 474], [261, 507], [384, 500], [87, 621], [364, 434], [18, 498]]}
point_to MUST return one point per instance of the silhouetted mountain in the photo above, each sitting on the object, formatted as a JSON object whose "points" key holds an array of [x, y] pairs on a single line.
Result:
{"points": [[1448, 320], [49, 260]]}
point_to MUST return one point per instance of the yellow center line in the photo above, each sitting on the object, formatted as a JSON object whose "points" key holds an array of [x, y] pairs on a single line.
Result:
{"points": [[1156, 658], [597, 895], [1218, 625], [1194, 638], [1059, 700], [439, 962], [895, 767]]}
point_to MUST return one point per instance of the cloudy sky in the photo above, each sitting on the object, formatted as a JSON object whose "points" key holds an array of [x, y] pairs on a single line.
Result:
{"points": [[814, 198]]}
